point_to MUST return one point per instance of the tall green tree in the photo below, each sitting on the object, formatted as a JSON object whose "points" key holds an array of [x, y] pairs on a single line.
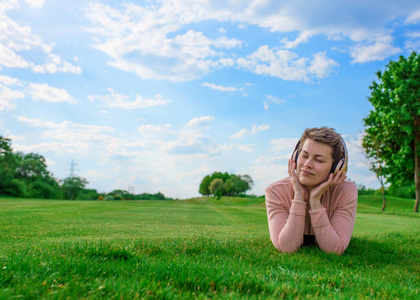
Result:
{"points": [[216, 187], [31, 166], [204, 186], [394, 122], [71, 187], [8, 163]]}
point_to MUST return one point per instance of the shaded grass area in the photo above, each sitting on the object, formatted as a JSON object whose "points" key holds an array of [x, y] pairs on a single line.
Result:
{"points": [[398, 216], [373, 203], [191, 249]]}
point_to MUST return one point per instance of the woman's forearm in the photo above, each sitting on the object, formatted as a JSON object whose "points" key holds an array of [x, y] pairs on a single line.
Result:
{"points": [[287, 229]]}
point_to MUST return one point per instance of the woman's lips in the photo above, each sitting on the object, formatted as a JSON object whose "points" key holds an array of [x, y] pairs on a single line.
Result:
{"points": [[307, 173]]}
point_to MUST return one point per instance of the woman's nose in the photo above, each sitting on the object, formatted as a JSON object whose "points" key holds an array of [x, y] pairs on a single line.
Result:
{"points": [[308, 163]]}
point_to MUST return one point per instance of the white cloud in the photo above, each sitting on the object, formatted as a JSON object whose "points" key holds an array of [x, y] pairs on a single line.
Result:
{"points": [[284, 145], [35, 3], [414, 34], [154, 150], [16, 39], [56, 64], [266, 160], [9, 80], [115, 100], [10, 59], [7, 96], [194, 44], [240, 134], [219, 87], [302, 38], [412, 45], [246, 148], [199, 122], [194, 146], [47, 93], [321, 66], [266, 106], [287, 65], [37, 91], [137, 39], [255, 129], [159, 132], [276, 100], [154, 40], [413, 18], [192, 141], [359, 21], [379, 50], [72, 137]]}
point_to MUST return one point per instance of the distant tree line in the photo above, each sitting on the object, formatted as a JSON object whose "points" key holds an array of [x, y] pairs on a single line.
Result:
{"points": [[27, 176], [225, 184], [124, 195]]}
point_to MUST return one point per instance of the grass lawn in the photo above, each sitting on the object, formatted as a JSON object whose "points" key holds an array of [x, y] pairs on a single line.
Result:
{"points": [[197, 248]]}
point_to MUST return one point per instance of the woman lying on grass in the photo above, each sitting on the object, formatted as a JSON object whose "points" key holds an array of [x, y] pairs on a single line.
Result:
{"points": [[314, 205]]}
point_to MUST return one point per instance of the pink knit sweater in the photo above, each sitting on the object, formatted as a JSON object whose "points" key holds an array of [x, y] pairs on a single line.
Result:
{"points": [[289, 219]]}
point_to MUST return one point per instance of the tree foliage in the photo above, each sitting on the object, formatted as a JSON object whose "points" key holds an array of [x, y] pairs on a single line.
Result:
{"points": [[226, 185], [204, 186], [25, 175], [72, 186], [216, 187], [392, 129]]}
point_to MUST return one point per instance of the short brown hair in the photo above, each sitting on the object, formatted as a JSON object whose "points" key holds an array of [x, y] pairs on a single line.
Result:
{"points": [[327, 136]]}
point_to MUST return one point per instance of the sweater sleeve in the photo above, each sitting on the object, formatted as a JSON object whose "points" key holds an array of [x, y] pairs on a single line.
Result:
{"points": [[286, 227], [333, 235]]}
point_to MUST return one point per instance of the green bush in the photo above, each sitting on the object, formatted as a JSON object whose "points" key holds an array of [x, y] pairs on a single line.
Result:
{"points": [[406, 191], [16, 188], [42, 189], [88, 194]]}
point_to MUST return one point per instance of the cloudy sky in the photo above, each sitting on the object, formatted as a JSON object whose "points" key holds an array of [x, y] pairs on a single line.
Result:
{"points": [[154, 95]]}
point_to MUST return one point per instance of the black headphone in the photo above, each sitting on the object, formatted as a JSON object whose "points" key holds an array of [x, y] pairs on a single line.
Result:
{"points": [[341, 165]]}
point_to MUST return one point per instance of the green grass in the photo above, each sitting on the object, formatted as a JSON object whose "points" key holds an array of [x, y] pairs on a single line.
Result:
{"points": [[197, 249]]}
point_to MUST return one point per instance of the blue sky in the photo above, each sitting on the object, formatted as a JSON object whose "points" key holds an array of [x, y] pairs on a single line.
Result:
{"points": [[154, 95]]}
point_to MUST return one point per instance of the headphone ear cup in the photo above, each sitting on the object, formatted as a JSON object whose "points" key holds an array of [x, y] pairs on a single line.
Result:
{"points": [[338, 166], [295, 156], [335, 168], [342, 164], [295, 153]]}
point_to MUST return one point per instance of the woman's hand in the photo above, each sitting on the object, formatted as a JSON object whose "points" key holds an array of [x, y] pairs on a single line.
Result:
{"points": [[298, 188], [319, 190]]}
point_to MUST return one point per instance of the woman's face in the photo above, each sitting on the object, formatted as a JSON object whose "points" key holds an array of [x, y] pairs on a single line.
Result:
{"points": [[314, 163]]}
